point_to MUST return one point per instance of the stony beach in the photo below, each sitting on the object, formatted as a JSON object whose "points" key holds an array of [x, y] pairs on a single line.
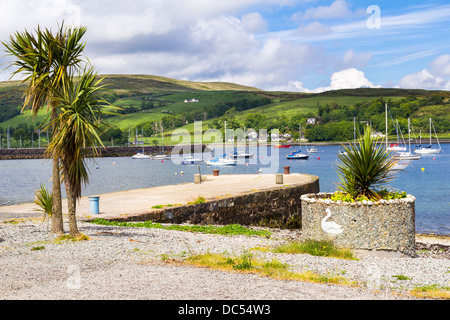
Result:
{"points": [[139, 263]]}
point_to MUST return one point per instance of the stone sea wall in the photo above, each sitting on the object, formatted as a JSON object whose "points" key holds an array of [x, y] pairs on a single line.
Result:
{"points": [[387, 225], [39, 153], [275, 207]]}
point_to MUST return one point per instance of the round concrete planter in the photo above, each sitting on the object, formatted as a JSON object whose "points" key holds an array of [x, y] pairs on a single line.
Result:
{"points": [[387, 225]]}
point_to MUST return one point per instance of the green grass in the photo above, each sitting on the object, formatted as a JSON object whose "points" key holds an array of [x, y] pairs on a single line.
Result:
{"points": [[198, 200], [315, 248], [128, 90], [232, 229], [432, 291], [246, 263]]}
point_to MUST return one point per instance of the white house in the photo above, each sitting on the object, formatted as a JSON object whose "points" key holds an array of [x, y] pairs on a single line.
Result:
{"points": [[189, 101]]}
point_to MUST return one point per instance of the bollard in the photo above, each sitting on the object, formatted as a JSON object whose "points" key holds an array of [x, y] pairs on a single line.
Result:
{"points": [[215, 172], [287, 170], [279, 178], [94, 204], [197, 178]]}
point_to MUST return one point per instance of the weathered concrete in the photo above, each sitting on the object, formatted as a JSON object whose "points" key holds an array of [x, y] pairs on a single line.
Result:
{"points": [[249, 199]]}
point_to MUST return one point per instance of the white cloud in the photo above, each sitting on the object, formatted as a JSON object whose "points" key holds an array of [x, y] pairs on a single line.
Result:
{"points": [[345, 79], [441, 66], [436, 77], [337, 10], [216, 40], [350, 78], [313, 29], [254, 22]]}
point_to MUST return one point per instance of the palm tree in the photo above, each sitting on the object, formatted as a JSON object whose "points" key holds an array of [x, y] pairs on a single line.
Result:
{"points": [[77, 129], [364, 168], [47, 61]]}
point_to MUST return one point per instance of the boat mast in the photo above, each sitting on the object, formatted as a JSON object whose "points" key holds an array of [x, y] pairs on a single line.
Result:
{"points": [[430, 132], [409, 136], [385, 106]]}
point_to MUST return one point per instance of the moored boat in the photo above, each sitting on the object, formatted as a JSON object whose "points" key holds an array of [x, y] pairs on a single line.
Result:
{"points": [[297, 155], [221, 162], [141, 155], [191, 160]]}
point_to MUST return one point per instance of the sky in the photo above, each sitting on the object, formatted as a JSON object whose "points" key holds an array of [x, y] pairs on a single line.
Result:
{"points": [[289, 45]]}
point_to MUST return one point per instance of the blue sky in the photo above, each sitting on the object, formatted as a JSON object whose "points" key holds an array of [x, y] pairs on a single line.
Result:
{"points": [[293, 45]]}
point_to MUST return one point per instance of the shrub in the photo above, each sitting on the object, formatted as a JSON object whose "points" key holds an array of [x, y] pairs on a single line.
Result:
{"points": [[364, 168]]}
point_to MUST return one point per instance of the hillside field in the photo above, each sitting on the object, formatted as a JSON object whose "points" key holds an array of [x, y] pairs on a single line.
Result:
{"points": [[148, 102]]}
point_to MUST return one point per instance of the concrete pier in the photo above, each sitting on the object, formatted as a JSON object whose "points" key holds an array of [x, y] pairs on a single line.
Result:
{"points": [[150, 203]]}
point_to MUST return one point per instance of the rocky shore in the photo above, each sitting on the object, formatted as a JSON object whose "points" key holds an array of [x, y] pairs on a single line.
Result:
{"points": [[139, 263]]}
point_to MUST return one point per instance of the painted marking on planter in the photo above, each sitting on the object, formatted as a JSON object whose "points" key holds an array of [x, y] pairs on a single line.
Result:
{"points": [[330, 227]]}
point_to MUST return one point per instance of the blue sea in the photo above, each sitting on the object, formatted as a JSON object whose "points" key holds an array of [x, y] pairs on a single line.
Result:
{"points": [[428, 179]]}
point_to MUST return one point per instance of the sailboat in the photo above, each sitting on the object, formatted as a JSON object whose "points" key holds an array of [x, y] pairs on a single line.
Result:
{"points": [[240, 154], [429, 149], [396, 146], [140, 154], [297, 155], [397, 165], [223, 160], [407, 155], [161, 156]]}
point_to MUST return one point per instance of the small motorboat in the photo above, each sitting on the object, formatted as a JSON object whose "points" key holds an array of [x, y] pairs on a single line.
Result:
{"points": [[282, 146], [160, 157], [221, 162], [141, 155], [395, 147], [242, 155], [406, 156], [191, 160], [297, 155]]}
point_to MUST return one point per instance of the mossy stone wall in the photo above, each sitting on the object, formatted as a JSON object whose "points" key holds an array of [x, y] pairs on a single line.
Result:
{"points": [[276, 207]]}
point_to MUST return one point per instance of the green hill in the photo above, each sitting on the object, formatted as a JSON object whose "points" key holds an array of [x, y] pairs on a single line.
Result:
{"points": [[146, 101]]}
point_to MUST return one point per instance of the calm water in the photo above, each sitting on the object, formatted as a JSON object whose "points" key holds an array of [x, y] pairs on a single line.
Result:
{"points": [[19, 178]]}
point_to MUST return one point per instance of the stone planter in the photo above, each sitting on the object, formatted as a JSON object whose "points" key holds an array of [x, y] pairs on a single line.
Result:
{"points": [[387, 225]]}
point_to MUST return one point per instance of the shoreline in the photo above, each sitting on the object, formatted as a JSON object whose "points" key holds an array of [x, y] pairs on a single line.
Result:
{"points": [[141, 263], [128, 151]]}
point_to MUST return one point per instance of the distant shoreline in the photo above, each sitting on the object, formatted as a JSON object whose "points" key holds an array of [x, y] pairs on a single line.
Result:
{"points": [[38, 153]]}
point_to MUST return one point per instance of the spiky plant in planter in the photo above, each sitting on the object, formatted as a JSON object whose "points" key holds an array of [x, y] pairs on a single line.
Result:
{"points": [[364, 169], [385, 221]]}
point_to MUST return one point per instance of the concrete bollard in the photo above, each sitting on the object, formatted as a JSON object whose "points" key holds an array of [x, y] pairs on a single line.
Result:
{"points": [[215, 172], [279, 178], [287, 170], [94, 204], [197, 178]]}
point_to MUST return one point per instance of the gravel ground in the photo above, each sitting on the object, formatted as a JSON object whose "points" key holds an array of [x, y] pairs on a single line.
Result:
{"points": [[131, 263]]}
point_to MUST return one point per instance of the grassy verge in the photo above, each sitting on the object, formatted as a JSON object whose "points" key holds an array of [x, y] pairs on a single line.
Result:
{"points": [[232, 229], [431, 291], [272, 268], [315, 248]]}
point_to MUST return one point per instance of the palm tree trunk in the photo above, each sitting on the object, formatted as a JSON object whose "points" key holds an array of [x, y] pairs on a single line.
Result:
{"points": [[71, 202], [57, 219]]}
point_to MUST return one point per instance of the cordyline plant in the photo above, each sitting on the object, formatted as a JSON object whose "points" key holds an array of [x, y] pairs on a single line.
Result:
{"points": [[365, 168]]}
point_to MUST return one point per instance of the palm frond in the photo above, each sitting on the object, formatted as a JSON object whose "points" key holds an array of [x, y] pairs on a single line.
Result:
{"points": [[44, 200], [78, 124]]}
